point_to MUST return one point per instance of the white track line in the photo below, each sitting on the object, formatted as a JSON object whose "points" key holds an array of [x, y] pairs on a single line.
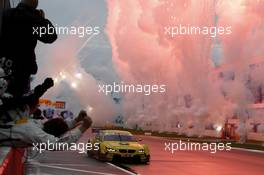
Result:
{"points": [[248, 150], [58, 164], [233, 148], [71, 169], [122, 169]]}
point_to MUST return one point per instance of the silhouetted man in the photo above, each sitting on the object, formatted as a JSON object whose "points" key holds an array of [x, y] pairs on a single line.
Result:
{"points": [[20, 32], [28, 101], [52, 131]]}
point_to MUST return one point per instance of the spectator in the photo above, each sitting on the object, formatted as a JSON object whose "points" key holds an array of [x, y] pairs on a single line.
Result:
{"points": [[53, 131], [16, 108], [19, 40], [37, 115]]}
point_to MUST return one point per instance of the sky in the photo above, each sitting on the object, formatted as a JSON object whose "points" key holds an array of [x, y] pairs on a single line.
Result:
{"points": [[70, 55], [96, 56]]}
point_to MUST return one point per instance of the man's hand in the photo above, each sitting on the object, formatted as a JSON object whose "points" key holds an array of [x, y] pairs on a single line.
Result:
{"points": [[48, 83], [82, 114], [87, 123]]}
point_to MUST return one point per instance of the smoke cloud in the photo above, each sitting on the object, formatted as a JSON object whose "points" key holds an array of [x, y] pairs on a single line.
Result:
{"points": [[72, 83], [142, 53]]}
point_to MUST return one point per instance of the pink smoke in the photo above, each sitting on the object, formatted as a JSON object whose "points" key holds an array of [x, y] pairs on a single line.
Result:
{"points": [[143, 54], [73, 84]]}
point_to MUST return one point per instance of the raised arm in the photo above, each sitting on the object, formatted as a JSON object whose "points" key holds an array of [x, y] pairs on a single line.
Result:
{"points": [[43, 28]]}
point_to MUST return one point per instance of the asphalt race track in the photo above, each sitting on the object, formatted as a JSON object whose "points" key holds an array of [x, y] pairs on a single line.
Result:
{"points": [[235, 162], [69, 163]]}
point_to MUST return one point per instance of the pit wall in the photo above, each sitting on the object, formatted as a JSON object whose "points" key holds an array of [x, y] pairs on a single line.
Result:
{"points": [[11, 161]]}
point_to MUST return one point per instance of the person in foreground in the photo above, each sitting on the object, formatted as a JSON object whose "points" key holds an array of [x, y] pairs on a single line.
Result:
{"points": [[53, 131], [20, 33]]}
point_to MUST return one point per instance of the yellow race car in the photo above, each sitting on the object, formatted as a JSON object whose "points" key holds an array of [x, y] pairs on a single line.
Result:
{"points": [[114, 145]]}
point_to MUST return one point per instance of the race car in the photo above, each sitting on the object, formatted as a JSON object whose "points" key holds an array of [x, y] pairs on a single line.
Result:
{"points": [[114, 145]]}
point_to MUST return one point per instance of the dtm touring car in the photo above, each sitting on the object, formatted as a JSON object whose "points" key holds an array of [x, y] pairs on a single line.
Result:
{"points": [[115, 145]]}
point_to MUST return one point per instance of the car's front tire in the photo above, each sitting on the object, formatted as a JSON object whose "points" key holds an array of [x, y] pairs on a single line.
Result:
{"points": [[146, 161], [100, 156], [89, 154]]}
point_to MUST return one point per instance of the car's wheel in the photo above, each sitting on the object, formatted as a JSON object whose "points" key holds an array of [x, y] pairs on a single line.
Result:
{"points": [[90, 153], [99, 155], [147, 161]]}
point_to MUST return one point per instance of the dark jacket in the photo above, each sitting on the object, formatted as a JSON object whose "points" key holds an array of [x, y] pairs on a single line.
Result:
{"points": [[28, 99], [19, 40]]}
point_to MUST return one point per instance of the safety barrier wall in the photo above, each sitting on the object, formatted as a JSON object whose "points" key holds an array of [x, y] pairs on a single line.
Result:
{"points": [[11, 161]]}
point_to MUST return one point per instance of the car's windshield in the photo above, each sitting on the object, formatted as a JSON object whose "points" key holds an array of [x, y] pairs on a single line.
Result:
{"points": [[119, 137]]}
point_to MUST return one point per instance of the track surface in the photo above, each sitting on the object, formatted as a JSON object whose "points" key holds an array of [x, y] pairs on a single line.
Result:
{"points": [[70, 163], [235, 162]]}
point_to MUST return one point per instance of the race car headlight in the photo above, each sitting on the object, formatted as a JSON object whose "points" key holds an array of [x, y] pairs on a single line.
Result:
{"points": [[141, 151], [110, 150]]}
